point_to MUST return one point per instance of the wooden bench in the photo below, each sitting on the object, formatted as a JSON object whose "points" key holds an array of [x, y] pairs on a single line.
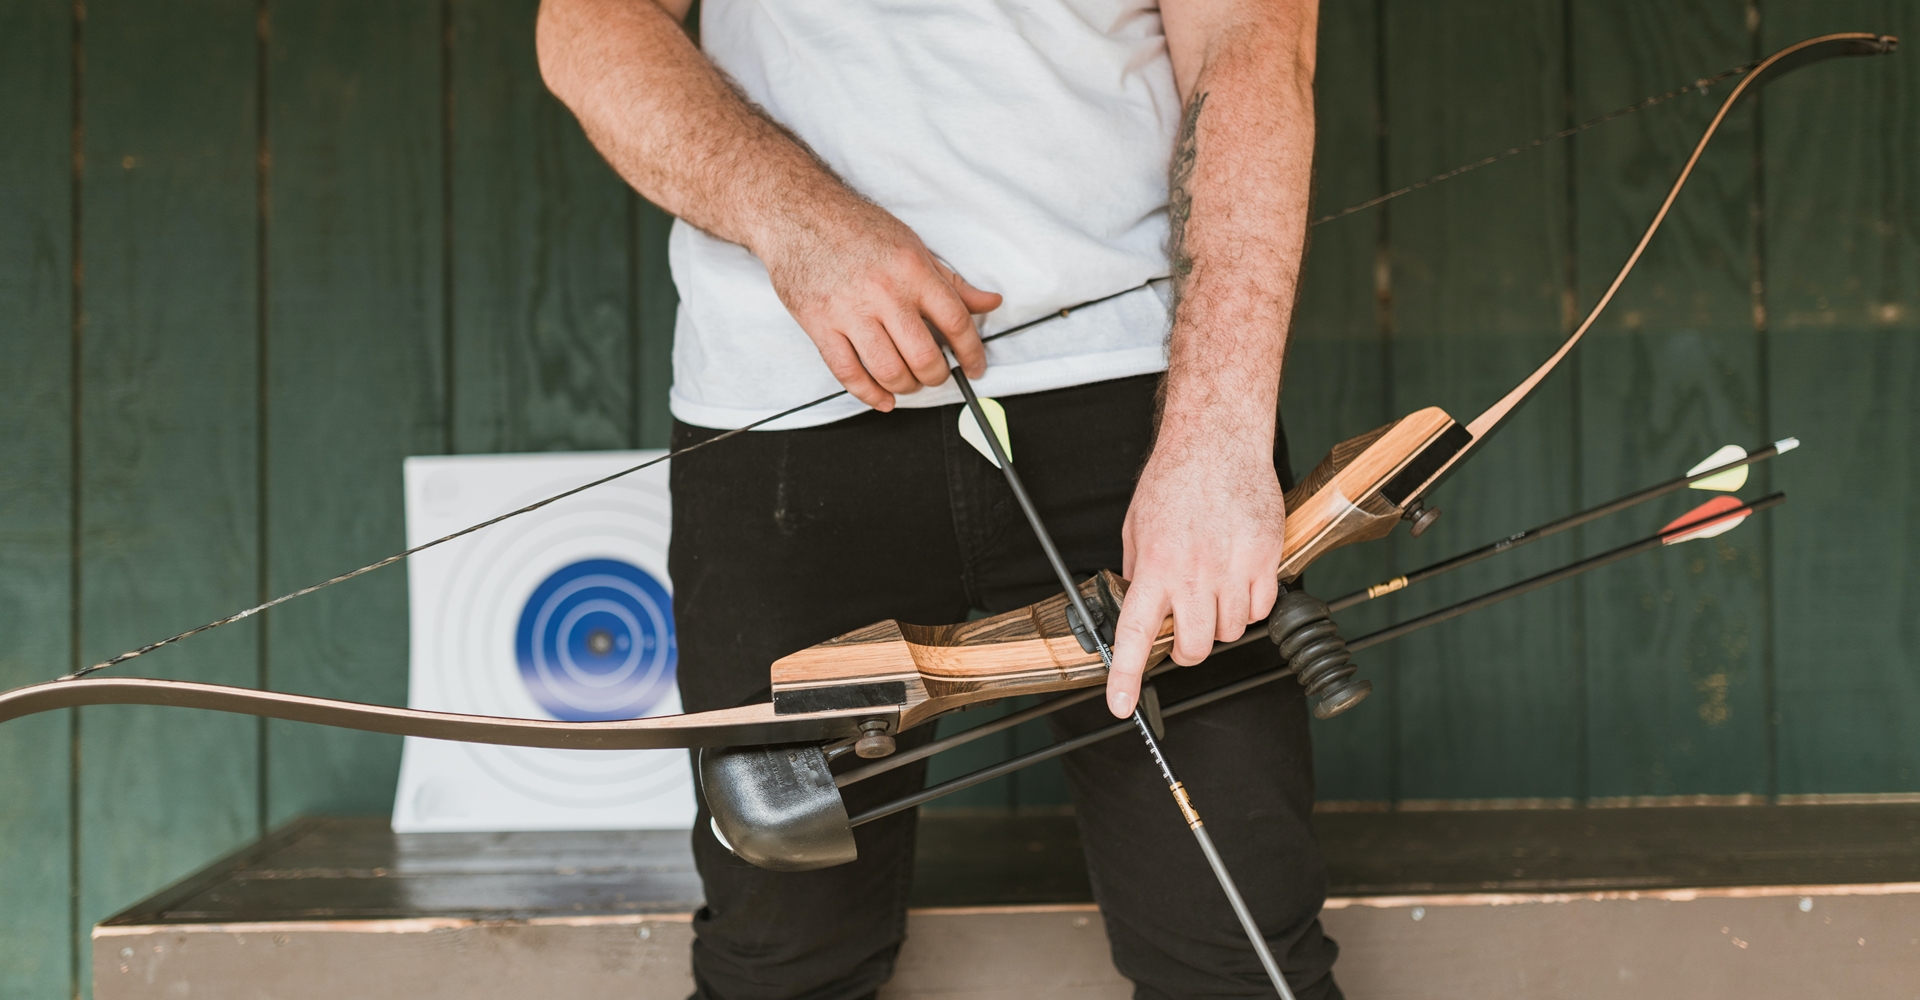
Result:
{"points": [[1702, 902]]}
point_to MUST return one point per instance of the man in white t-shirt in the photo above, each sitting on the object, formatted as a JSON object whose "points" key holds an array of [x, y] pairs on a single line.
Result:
{"points": [[858, 181]]}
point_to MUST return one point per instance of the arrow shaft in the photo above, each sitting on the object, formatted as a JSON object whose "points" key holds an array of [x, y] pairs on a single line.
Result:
{"points": [[1553, 527], [1203, 699]]}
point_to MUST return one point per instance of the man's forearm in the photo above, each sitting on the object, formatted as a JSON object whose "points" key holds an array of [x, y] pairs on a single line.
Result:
{"points": [[1204, 533], [861, 284], [1239, 183], [676, 129]]}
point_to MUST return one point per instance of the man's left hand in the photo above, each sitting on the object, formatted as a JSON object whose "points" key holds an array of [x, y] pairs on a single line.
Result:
{"points": [[1205, 533], [1203, 540]]}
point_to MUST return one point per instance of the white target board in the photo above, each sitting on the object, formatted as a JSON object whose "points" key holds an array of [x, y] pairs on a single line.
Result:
{"points": [[563, 613]]}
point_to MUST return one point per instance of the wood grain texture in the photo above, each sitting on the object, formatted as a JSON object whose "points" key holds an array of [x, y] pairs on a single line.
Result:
{"points": [[543, 354], [36, 456], [1338, 457], [1729, 903], [1026, 651], [1032, 650], [1347, 506], [353, 368], [1338, 379], [1842, 247], [1489, 705], [1677, 641], [169, 437]]}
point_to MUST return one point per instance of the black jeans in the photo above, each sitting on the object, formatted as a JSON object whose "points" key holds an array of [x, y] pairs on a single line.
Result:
{"points": [[783, 539]]}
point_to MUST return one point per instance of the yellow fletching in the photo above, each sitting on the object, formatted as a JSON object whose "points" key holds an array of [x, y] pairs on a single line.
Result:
{"points": [[970, 430], [1727, 481]]}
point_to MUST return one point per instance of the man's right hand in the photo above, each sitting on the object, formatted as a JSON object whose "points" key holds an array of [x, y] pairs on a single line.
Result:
{"points": [[866, 290], [859, 282]]}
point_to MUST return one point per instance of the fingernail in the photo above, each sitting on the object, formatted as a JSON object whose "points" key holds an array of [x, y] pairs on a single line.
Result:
{"points": [[1121, 704]]}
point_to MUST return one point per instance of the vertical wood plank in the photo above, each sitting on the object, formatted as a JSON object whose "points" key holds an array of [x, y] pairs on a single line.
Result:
{"points": [[1044, 785], [1489, 704], [354, 373], [36, 497], [657, 302], [543, 356], [1337, 376], [1000, 793], [1843, 311], [169, 399], [1676, 639]]}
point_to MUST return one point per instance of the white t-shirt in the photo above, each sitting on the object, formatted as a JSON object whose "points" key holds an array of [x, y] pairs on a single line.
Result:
{"points": [[1026, 143]]}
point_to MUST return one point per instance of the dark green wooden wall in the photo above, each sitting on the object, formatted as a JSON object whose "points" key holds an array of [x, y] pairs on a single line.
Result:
{"points": [[253, 253]]}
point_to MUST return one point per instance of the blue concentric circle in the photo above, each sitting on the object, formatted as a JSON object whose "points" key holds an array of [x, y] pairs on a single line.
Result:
{"points": [[595, 642]]}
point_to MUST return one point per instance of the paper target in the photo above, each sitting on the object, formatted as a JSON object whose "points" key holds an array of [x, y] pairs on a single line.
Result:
{"points": [[564, 613]]}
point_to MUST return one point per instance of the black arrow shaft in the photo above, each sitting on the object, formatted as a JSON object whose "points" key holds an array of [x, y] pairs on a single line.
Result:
{"points": [[1227, 691], [1554, 527], [1138, 722]]}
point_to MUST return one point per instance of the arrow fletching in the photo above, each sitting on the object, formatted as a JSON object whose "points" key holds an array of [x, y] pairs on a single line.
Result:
{"points": [[1732, 479], [1727, 481], [1715, 517], [997, 416]]}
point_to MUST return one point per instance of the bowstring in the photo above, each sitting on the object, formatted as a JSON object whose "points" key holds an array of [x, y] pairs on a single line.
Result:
{"points": [[1701, 84], [536, 505]]}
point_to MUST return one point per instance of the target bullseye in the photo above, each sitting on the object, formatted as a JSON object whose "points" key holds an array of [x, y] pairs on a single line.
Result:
{"points": [[595, 642]]}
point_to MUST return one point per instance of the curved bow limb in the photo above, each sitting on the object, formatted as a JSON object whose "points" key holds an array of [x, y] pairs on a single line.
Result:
{"points": [[726, 727], [889, 676], [1367, 483]]}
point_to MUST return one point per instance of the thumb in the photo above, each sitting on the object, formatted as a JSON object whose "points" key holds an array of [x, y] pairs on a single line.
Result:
{"points": [[977, 301]]}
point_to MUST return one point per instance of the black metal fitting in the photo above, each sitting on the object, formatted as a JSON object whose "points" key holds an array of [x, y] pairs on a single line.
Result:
{"points": [[1105, 608], [874, 741], [1422, 517]]}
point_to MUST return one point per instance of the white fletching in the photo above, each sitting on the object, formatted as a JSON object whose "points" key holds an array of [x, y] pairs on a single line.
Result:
{"points": [[1727, 481]]}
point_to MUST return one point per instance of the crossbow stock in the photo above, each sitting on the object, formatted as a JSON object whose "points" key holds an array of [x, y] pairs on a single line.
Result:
{"points": [[892, 676]]}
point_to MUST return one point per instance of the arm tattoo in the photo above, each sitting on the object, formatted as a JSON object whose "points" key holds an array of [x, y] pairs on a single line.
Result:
{"points": [[1179, 201]]}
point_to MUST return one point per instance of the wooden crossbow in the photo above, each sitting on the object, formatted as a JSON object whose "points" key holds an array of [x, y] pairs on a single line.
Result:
{"points": [[891, 676]]}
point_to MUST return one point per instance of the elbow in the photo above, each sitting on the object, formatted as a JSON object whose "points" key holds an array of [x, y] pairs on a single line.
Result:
{"points": [[552, 34]]}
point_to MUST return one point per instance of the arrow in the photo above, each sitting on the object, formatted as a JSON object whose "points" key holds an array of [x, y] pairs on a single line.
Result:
{"points": [[1725, 470], [1696, 523]]}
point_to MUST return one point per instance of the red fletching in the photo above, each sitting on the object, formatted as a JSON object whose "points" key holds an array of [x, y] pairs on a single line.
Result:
{"points": [[1715, 517]]}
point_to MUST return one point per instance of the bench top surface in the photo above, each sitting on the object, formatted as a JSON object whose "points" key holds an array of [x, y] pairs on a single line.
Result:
{"points": [[357, 869]]}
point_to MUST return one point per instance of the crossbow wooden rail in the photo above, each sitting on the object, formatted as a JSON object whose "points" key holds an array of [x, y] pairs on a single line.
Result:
{"points": [[892, 676]]}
